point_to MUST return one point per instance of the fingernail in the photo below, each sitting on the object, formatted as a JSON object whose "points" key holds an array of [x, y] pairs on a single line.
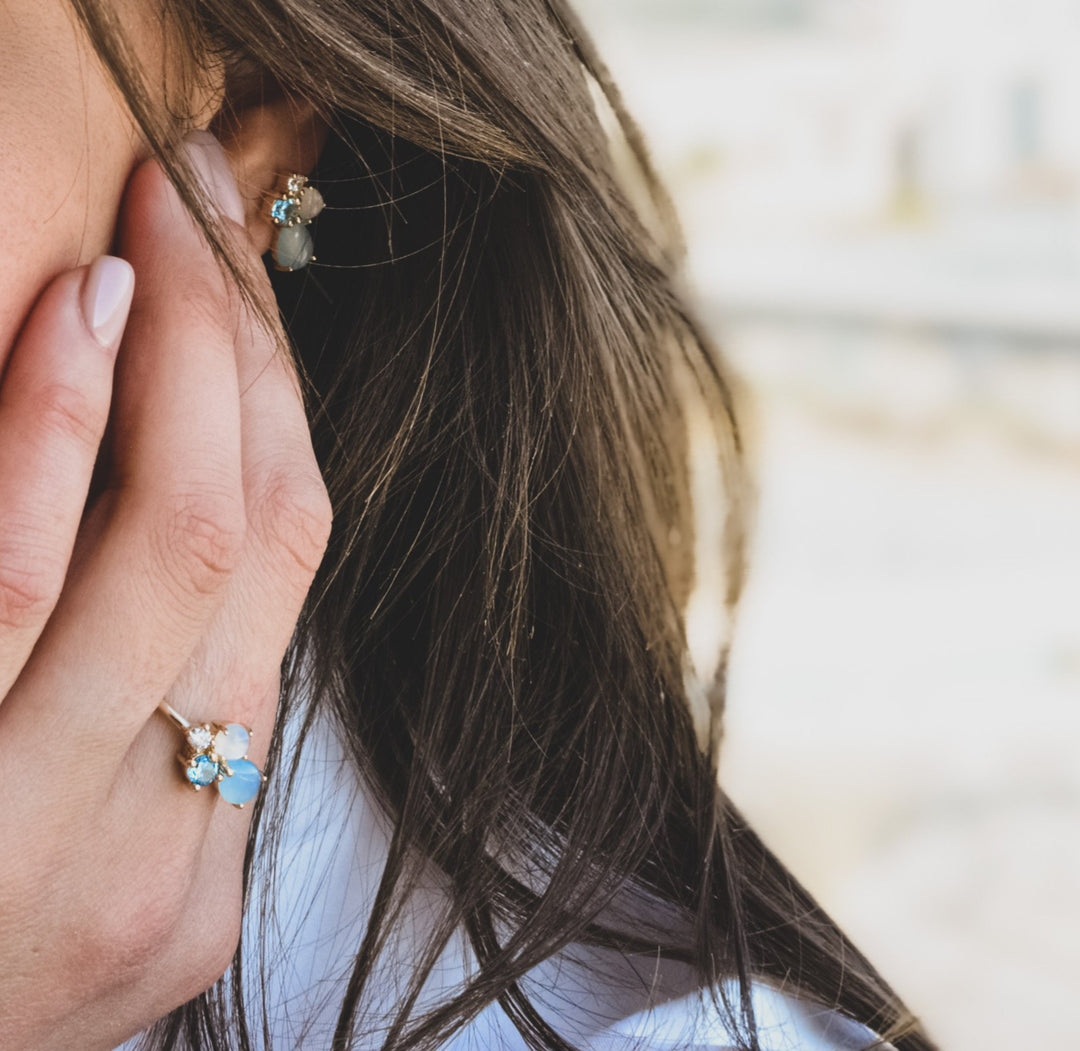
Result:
{"points": [[206, 156], [106, 298]]}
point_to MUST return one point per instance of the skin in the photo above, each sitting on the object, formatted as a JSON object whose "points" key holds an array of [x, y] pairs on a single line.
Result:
{"points": [[181, 579]]}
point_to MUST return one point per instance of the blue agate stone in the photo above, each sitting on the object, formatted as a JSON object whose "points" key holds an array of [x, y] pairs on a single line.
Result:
{"points": [[294, 248], [244, 784], [203, 771]]}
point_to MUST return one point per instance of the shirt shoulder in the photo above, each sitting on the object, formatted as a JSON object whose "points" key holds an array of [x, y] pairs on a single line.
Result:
{"points": [[694, 1023], [336, 840]]}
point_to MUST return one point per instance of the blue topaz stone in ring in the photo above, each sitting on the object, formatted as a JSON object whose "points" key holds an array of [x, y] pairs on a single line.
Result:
{"points": [[202, 771]]}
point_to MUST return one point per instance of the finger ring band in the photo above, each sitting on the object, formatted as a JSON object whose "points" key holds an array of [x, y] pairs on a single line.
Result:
{"points": [[216, 753]]}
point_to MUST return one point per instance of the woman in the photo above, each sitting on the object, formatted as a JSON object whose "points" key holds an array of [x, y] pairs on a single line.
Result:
{"points": [[491, 816]]}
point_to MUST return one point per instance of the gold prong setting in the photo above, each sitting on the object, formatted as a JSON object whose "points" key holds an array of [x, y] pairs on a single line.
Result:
{"points": [[216, 753]]}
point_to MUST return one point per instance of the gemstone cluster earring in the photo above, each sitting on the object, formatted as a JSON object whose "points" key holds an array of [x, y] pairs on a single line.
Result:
{"points": [[292, 212]]}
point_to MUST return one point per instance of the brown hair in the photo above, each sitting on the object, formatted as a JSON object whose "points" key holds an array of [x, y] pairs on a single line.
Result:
{"points": [[500, 362]]}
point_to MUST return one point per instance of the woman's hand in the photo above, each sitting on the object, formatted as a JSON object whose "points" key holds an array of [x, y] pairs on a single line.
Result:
{"points": [[120, 889]]}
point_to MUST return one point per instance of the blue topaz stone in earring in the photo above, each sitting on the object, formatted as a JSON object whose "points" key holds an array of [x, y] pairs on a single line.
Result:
{"points": [[216, 753], [284, 211], [292, 211]]}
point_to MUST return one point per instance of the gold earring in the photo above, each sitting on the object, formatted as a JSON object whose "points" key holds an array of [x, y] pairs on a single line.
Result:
{"points": [[292, 212]]}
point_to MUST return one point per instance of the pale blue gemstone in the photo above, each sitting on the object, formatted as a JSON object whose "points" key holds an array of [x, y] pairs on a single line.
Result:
{"points": [[294, 248], [233, 742], [202, 771], [244, 784], [284, 210]]}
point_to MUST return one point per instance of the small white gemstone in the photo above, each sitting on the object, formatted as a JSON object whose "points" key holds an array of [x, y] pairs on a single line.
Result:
{"points": [[233, 742], [199, 738], [311, 203]]}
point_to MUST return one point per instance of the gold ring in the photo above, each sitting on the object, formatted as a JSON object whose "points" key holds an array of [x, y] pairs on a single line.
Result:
{"points": [[216, 753]]}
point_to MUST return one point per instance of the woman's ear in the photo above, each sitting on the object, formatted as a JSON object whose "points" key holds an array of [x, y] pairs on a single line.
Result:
{"points": [[267, 137]]}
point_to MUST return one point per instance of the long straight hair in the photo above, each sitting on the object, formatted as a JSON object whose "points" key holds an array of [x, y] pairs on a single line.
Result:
{"points": [[500, 369]]}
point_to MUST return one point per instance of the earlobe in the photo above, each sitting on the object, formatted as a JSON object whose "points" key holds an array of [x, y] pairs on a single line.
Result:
{"points": [[266, 141]]}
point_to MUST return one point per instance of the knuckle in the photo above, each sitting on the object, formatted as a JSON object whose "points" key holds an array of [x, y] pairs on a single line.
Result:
{"points": [[130, 933], [141, 932], [208, 309], [193, 305], [202, 539], [295, 517], [29, 587], [70, 413]]}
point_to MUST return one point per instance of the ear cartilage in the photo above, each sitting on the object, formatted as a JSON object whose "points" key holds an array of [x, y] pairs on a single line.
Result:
{"points": [[292, 212]]}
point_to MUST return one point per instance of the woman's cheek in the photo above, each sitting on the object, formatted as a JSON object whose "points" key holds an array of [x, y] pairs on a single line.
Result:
{"points": [[67, 146]]}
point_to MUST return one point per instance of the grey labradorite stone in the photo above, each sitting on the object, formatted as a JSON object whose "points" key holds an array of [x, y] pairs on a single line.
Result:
{"points": [[294, 248], [311, 203]]}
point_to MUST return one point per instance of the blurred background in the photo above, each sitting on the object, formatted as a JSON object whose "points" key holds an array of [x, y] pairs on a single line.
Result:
{"points": [[882, 204]]}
